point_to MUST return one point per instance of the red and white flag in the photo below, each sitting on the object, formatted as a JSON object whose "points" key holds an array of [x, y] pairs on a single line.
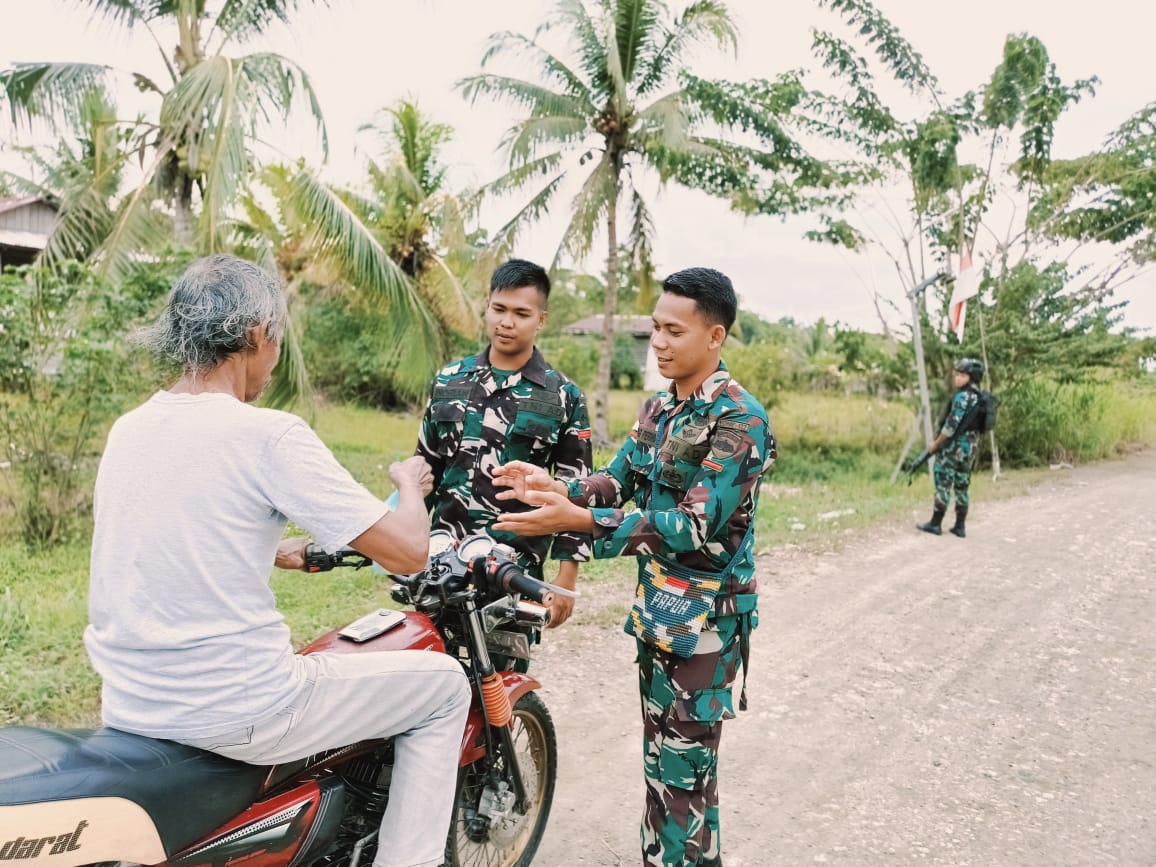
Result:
{"points": [[966, 286]]}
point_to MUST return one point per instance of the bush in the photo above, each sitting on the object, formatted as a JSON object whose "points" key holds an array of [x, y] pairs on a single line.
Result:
{"points": [[66, 374], [1042, 422]]}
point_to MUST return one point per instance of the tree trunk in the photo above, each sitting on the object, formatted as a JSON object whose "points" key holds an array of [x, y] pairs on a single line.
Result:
{"points": [[601, 432], [183, 211]]}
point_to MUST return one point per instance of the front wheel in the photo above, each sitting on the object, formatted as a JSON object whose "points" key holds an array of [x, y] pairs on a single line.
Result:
{"points": [[488, 830]]}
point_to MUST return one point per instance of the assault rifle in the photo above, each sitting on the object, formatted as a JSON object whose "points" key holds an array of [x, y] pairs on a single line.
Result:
{"points": [[913, 465]]}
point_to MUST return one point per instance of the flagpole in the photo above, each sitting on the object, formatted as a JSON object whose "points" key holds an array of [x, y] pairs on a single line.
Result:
{"points": [[995, 473]]}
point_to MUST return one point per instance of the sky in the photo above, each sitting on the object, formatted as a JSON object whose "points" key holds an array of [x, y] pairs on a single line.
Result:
{"points": [[363, 55]]}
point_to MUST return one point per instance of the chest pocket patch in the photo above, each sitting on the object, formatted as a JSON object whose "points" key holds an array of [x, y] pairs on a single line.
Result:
{"points": [[448, 419], [677, 474], [527, 425], [448, 412]]}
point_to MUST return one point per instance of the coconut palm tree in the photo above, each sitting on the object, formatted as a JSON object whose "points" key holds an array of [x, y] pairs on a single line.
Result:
{"points": [[422, 225], [622, 104], [345, 240], [197, 157], [81, 176], [196, 149]]}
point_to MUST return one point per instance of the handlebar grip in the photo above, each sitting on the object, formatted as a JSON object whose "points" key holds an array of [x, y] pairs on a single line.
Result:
{"points": [[531, 588], [317, 560]]}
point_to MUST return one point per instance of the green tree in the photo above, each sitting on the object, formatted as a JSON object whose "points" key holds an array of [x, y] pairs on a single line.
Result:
{"points": [[421, 224], [82, 177], [622, 103], [400, 252], [196, 149], [64, 375], [1108, 197], [950, 207]]}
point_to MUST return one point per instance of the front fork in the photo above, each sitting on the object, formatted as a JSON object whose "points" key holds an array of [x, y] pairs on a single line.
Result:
{"points": [[484, 671]]}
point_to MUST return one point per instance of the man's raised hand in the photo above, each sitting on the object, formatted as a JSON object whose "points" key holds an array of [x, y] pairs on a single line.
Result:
{"points": [[521, 477]]}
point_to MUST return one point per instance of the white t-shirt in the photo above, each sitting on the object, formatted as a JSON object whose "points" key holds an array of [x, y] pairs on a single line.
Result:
{"points": [[192, 497]]}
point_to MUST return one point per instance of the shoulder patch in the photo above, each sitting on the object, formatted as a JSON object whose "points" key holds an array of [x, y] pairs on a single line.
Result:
{"points": [[741, 426]]}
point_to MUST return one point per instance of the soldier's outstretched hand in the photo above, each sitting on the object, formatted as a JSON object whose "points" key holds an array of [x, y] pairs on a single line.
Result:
{"points": [[520, 477], [554, 514]]}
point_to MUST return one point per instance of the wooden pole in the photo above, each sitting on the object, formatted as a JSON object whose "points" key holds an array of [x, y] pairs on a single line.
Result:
{"points": [[915, 295], [995, 472]]}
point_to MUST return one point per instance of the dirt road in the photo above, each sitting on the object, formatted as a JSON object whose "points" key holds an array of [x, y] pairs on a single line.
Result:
{"points": [[914, 700]]}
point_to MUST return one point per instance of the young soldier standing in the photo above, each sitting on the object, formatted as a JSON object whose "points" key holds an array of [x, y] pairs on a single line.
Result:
{"points": [[956, 447], [693, 465], [506, 404]]}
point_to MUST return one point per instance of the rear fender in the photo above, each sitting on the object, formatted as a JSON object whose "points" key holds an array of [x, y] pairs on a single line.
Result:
{"points": [[516, 685]]}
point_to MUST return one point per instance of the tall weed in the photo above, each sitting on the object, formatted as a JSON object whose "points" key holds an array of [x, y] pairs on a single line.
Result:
{"points": [[1042, 421]]}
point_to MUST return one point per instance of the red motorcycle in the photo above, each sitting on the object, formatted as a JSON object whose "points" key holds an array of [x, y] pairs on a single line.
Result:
{"points": [[107, 797]]}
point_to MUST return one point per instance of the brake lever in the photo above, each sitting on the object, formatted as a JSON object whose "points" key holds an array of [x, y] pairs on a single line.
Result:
{"points": [[562, 591]]}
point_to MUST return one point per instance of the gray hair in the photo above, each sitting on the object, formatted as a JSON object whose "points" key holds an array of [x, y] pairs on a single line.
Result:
{"points": [[211, 309]]}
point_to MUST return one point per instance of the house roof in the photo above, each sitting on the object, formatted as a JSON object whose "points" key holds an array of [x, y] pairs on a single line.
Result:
{"points": [[23, 202], [639, 326]]}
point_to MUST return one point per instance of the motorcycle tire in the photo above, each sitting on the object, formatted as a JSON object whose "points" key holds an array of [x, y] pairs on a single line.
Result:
{"points": [[512, 841]]}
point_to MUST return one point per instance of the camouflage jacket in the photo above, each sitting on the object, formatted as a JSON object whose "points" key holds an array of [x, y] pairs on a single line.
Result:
{"points": [[696, 485], [960, 445], [472, 425]]}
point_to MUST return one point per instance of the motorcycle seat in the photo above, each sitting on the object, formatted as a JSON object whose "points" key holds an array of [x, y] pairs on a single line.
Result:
{"points": [[185, 791]]}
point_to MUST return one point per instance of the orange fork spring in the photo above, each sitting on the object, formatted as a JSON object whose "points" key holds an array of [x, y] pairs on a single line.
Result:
{"points": [[497, 702]]}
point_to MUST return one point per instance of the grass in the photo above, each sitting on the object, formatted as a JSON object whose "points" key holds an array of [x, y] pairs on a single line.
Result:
{"points": [[832, 478]]}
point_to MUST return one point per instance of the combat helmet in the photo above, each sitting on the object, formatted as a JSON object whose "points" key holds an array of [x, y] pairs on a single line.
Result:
{"points": [[973, 367]]}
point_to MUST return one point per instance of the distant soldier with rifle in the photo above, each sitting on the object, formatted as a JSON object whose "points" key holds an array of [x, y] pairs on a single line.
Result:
{"points": [[957, 445]]}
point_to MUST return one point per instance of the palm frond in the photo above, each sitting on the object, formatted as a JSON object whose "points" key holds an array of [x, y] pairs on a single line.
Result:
{"points": [[553, 70], [642, 249], [523, 141], [281, 83], [450, 299], [634, 24], [667, 119], [126, 12], [340, 236], [615, 73], [137, 228], [536, 208], [590, 208], [290, 383], [223, 157], [572, 16], [703, 21], [518, 177], [245, 19], [49, 92], [539, 100]]}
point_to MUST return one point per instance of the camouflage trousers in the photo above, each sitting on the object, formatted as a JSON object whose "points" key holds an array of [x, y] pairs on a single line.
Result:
{"points": [[952, 475], [684, 702]]}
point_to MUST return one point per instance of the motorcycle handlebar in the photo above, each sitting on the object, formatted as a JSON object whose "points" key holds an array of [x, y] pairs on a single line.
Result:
{"points": [[510, 578], [318, 560]]}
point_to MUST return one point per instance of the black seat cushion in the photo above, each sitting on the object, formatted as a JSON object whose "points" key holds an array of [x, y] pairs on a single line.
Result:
{"points": [[187, 792]]}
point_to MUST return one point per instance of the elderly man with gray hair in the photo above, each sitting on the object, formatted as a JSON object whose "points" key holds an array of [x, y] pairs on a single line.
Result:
{"points": [[192, 498]]}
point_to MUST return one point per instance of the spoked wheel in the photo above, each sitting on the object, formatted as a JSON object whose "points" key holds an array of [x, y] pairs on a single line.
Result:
{"points": [[487, 830]]}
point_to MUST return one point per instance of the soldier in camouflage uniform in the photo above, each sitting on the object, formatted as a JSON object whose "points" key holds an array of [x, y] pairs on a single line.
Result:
{"points": [[955, 448], [506, 404], [692, 464]]}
